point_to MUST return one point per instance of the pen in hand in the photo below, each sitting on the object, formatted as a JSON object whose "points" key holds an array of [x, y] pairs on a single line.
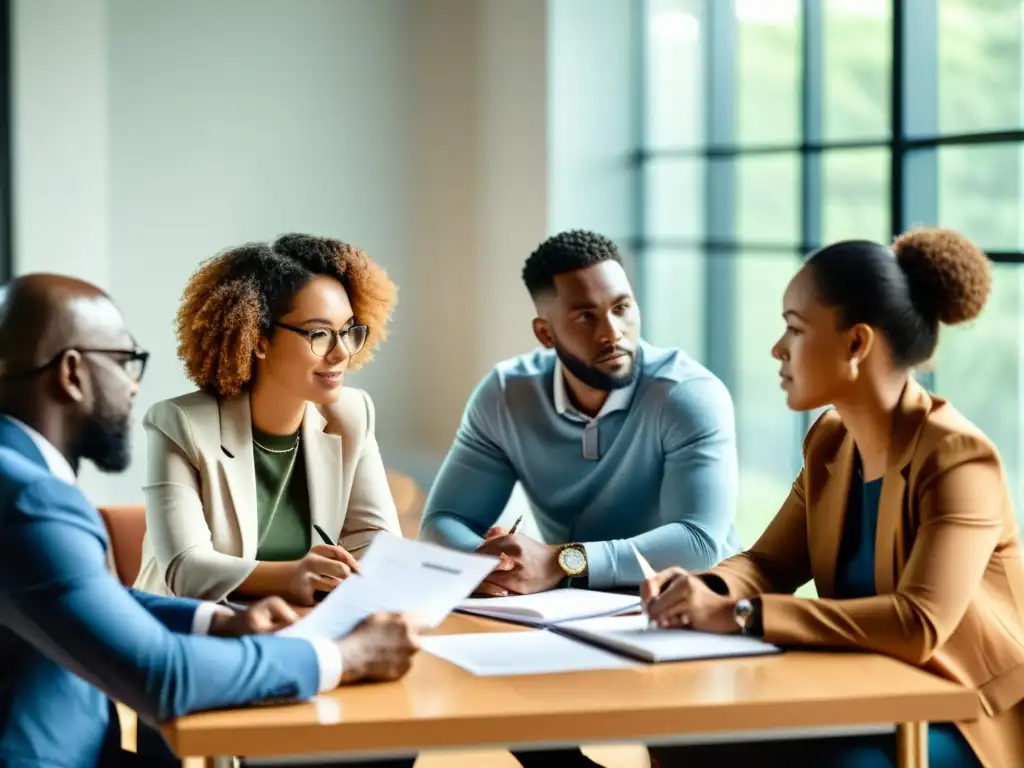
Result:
{"points": [[323, 535], [515, 525], [351, 562], [645, 569]]}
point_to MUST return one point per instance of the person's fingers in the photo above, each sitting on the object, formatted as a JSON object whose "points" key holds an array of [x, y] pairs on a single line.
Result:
{"points": [[676, 621], [326, 566], [678, 615], [662, 578], [323, 583], [348, 558], [671, 595], [334, 552], [495, 531], [499, 545], [505, 563], [488, 588], [278, 613], [649, 590], [510, 581]]}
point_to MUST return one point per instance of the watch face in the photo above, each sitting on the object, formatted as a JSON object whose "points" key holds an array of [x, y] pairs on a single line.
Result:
{"points": [[742, 612], [573, 560]]}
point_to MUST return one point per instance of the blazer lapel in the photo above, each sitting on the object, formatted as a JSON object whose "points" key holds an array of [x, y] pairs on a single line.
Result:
{"points": [[239, 469], [322, 453], [890, 539], [826, 527]]}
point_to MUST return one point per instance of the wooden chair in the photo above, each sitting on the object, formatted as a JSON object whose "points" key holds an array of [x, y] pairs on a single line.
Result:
{"points": [[126, 526], [409, 499]]}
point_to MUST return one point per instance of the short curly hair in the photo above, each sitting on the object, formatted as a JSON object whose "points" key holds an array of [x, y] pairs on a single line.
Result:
{"points": [[926, 278], [566, 252], [236, 297]]}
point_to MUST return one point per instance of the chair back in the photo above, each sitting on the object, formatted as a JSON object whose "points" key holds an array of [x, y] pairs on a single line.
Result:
{"points": [[126, 526], [409, 500]]}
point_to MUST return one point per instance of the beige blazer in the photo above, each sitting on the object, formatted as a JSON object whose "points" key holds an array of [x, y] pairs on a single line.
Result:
{"points": [[201, 523], [948, 569]]}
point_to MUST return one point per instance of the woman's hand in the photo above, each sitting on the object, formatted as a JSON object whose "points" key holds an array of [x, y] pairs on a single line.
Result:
{"points": [[321, 570], [677, 598]]}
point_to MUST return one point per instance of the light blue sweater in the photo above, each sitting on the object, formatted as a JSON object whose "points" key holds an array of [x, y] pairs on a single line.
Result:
{"points": [[662, 472]]}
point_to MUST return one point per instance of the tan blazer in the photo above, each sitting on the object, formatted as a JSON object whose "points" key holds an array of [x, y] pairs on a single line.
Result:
{"points": [[201, 523], [948, 566]]}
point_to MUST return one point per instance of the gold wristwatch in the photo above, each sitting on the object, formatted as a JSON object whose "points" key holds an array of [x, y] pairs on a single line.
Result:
{"points": [[572, 559]]}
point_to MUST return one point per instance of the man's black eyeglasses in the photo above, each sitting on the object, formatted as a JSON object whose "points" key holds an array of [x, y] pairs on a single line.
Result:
{"points": [[133, 361]]}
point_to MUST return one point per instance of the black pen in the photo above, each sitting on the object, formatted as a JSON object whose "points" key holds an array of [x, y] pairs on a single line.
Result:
{"points": [[323, 534]]}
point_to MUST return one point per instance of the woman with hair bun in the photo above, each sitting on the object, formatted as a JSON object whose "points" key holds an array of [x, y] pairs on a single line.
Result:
{"points": [[901, 514]]}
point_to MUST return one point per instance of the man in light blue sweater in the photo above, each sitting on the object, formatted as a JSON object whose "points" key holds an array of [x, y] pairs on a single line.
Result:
{"points": [[614, 441]]}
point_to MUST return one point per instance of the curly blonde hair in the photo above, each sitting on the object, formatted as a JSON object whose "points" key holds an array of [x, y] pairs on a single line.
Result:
{"points": [[236, 297]]}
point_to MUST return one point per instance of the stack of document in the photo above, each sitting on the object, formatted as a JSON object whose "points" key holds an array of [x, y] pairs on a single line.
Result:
{"points": [[546, 608], [396, 576], [578, 630]]}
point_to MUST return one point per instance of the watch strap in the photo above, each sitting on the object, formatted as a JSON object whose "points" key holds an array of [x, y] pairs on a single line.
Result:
{"points": [[755, 624]]}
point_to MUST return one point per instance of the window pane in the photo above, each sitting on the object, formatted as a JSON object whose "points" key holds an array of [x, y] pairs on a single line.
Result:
{"points": [[673, 299], [767, 71], [674, 198], [979, 368], [980, 65], [980, 193], [674, 73], [858, 68], [768, 433], [856, 195], [768, 199]]}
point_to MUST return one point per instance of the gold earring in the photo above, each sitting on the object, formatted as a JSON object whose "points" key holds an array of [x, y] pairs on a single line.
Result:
{"points": [[854, 372]]}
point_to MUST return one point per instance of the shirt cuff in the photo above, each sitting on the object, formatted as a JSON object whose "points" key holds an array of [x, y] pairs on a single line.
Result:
{"points": [[328, 656], [600, 565], [203, 617]]}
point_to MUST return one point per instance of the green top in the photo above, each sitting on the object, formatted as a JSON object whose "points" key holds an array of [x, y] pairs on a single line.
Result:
{"points": [[283, 534]]}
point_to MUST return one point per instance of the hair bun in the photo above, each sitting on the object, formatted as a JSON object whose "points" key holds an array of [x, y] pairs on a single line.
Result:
{"points": [[949, 276]]}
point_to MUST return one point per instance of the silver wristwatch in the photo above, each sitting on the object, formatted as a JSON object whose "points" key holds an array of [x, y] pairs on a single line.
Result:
{"points": [[743, 612]]}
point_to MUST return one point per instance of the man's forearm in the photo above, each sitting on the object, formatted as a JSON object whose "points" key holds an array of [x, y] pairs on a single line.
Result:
{"points": [[450, 531], [613, 564]]}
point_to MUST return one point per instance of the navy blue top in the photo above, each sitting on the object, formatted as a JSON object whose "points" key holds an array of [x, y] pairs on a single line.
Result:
{"points": [[855, 569], [855, 577]]}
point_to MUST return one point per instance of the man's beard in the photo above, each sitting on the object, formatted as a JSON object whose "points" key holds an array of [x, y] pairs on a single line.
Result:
{"points": [[594, 378], [106, 439]]}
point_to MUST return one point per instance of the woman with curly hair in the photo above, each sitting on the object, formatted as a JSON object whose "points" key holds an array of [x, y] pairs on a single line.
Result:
{"points": [[901, 515], [271, 447]]}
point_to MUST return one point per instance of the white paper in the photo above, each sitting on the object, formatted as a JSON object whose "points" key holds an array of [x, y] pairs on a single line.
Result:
{"points": [[630, 634], [532, 652], [552, 606], [397, 576]]}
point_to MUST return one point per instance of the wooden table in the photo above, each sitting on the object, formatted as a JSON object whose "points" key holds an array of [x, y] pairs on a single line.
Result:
{"points": [[440, 706]]}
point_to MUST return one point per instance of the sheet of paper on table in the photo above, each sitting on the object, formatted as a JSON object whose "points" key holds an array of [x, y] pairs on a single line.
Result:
{"points": [[396, 575], [532, 652]]}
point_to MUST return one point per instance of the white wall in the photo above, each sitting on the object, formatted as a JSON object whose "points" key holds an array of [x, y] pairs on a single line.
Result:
{"points": [[60, 137], [149, 135]]}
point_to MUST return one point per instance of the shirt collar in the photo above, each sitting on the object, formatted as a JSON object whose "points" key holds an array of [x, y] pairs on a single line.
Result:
{"points": [[618, 399], [58, 465]]}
